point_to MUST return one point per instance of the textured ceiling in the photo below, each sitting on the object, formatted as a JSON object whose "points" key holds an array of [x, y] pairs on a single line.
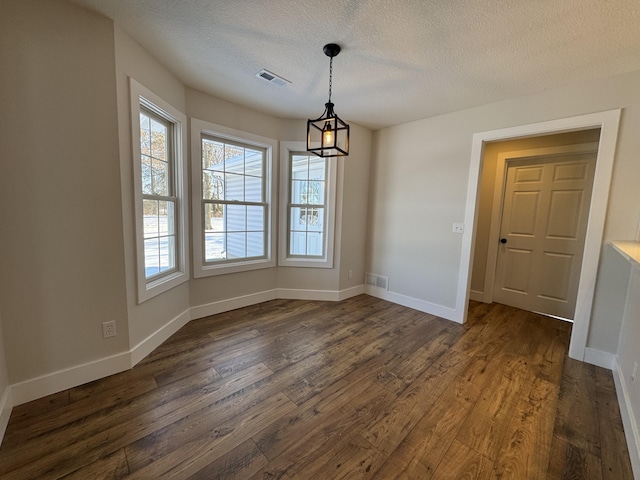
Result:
{"points": [[401, 60]]}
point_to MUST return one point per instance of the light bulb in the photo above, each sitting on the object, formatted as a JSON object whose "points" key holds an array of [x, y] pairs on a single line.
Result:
{"points": [[327, 134]]}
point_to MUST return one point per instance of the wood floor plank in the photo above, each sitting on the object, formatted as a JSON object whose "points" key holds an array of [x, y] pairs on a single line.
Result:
{"points": [[358, 459], [463, 463], [568, 462], [191, 457], [111, 467], [399, 376], [338, 406], [112, 429], [485, 428], [387, 430], [615, 454], [239, 464], [422, 449], [362, 388], [577, 415], [526, 446], [51, 420]]}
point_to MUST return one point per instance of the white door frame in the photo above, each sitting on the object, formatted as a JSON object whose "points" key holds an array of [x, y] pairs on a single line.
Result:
{"points": [[498, 197], [608, 122]]}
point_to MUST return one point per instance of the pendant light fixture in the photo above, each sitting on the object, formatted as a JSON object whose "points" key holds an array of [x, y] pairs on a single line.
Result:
{"points": [[328, 136]]}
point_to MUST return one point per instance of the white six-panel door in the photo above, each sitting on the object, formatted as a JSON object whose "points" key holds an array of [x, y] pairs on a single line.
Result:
{"points": [[542, 232]]}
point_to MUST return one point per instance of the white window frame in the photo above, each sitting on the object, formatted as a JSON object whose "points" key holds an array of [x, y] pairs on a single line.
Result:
{"points": [[142, 96], [201, 268], [326, 261]]}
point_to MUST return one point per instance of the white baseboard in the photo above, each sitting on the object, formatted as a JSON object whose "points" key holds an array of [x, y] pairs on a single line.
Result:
{"points": [[54, 382], [6, 405], [350, 292], [628, 420], [426, 307], [599, 358], [320, 295], [153, 341], [476, 295], [296, 294], [222, 306]]}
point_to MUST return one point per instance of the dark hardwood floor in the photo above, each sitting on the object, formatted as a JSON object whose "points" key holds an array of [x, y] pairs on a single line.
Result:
{"points": [[320, 390]]}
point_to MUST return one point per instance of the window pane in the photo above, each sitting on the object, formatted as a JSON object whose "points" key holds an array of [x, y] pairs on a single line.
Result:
{"points": [[298, 219], [253, 189], [236, 245], [150, 218], [236, 218], [159, 135], [151, 257], [255, 218], [255, 244], [297, 189], [145, 135], [214, 248], [234, 187], [147, 183], [166, 218], [213, 217], [234, 159], [317, 168], [314, 243], [314, 192], [300, 167], [253, 162], [315, 219], [297, 243], [160, 174], [212, 154], [167, 256], [212, 185]]}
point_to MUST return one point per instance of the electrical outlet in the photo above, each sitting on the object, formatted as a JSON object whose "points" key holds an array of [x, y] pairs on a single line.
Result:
{"points": [[350, 274], [458, 228], [109, 329], [634, 372]]}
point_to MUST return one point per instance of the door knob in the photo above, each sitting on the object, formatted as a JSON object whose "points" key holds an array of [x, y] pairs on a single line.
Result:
{"points": [[503, 240]]}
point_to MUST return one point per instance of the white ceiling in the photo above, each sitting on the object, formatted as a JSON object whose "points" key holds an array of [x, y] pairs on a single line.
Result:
{"points": [[401, 60]]}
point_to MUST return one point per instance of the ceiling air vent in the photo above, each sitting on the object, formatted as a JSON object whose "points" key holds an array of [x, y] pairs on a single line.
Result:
{"points": [[272, 78]]}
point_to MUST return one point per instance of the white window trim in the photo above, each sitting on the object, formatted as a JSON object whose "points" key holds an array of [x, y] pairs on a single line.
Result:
{"points": [[151, 101], [286, 148], [200, 268]]}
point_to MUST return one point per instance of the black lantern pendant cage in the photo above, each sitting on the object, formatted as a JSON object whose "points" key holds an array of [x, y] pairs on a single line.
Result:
{"points": [[328, 135]]}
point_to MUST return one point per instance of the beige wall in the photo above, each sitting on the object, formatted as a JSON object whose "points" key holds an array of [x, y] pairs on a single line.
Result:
{"points": [[4, 377], [6, 403], [420, 175], [355, 198], [487, 187], [62, 261]]}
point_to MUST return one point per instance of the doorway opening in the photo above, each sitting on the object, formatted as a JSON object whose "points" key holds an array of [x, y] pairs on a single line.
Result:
{"points": [[608, 122], [534, 198]]}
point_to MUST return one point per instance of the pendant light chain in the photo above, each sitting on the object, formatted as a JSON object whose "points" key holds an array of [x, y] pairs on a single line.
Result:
{"points": [[330, 76]]}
